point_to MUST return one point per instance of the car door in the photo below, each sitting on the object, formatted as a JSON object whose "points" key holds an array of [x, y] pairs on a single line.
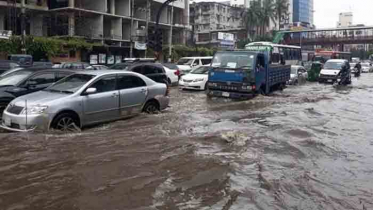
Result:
{"points": [[133, 93], [39, 82], [103, 105]]}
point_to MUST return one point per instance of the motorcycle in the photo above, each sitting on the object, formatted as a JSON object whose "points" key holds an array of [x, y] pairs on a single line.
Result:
{"points": [[344, 78], [357, 72]]}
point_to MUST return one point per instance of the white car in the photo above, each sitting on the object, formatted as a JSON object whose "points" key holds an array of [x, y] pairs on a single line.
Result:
{"points": [[298, 74], [365, 67], [186, 64], [172, 75], [196, 79]]}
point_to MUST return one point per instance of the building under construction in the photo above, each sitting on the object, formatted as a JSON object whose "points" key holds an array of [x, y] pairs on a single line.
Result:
{"points": [[113, 23]]}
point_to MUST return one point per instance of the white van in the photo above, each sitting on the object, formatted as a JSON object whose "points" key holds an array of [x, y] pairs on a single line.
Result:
{"points": [[186, 64]]}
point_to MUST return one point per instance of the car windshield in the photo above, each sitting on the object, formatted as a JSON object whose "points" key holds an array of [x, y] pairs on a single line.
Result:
{"points": [[185, 61], [120, 66], [70, 84], [14, 78], [365, 65], [201, 70], [233, 60], [294, 70], [333, 65]]}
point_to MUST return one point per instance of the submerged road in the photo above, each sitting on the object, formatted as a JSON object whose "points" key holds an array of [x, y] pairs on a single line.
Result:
{"points": [[307, 147]]}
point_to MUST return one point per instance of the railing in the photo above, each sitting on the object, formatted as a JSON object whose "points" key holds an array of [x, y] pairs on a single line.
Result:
{"points": [[332, 40]]}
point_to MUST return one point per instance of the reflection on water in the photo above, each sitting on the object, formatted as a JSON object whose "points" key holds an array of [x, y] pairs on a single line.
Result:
{"points": [[307, 147]]}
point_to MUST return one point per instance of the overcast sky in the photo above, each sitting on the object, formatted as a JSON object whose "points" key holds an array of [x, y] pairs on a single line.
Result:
{"points": [[327, 11]]}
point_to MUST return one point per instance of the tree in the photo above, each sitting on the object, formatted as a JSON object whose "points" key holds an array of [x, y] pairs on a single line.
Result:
{"points": [[251, 19], [268, 14], [281, 8]]}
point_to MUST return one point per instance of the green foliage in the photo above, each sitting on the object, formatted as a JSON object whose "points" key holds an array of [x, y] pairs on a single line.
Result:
{"points": [[44, 47]]}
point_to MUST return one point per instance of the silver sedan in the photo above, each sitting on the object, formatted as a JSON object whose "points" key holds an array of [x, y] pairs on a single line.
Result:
{"points": [[85, 98]]}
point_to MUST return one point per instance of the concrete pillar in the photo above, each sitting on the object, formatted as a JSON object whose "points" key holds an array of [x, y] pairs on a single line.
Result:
{"points": [[72, 3], [112, 7], [186, 13], [2, 20], [36, 25], [71, 24]]}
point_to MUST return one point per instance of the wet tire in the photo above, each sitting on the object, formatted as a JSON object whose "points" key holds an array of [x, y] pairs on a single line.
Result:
{"points": [[151, 107], [66, 122]]}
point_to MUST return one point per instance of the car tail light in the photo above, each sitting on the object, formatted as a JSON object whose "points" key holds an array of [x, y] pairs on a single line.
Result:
{"points": [[177, 72]]}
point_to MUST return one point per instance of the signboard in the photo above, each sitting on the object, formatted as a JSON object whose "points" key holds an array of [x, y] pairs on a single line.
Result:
{"points": [[225, 36], [258, 48], [93, 59], [102, 58], [5, 34], [110, 59], [140, 46]]}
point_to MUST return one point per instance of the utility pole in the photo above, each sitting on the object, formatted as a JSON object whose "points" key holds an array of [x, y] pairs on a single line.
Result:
{"points": [[23, 26], [131, 29], [170, 36], [147, 23]]}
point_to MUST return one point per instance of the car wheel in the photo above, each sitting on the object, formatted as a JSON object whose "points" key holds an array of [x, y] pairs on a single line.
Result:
{"points": [[151, 107], [169, 82], [66, 122], [206, 87]]}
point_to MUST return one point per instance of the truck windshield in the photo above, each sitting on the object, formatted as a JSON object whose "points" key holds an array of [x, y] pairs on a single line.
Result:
{"points": [[333, 65], [233, 60]]}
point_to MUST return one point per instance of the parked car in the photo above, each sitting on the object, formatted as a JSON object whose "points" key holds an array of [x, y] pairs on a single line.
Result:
{"points": [[6, 65], [331, 70], [86, 98], [196, 79], [366, 68], [174, 68], [298, 75], [46, 64], [186, 64], [25, 81], [172, 75], [121, 66], [154, 71], [100, 67], [75, 65], [22, 59]]}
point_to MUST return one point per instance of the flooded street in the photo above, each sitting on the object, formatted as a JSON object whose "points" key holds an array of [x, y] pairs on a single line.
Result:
{"points": [[307, 147]]}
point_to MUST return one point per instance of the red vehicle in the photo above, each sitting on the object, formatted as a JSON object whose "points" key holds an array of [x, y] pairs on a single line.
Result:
{"points": [[324, 55]]}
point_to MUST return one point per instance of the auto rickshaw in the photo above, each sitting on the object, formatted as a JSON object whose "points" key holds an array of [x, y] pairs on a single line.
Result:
{"points": [[313, 73]]}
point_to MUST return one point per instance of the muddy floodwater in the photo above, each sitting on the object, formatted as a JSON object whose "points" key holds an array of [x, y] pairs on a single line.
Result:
{"points": [[307, 147]]}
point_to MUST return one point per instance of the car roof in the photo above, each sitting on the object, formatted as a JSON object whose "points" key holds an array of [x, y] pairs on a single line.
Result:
{"points": [[103, 72], [196, 57], [296, 66], [337, 60]]}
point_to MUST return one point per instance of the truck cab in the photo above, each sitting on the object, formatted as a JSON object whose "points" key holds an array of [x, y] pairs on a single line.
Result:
{"points": [[237, 74]]}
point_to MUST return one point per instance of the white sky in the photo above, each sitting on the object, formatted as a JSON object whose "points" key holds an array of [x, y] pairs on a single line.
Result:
{"points": [[327, 11]]}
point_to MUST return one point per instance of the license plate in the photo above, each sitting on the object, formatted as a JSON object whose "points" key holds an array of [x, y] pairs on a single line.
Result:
{"points": [[225, 94], [7, 122], [329, 80]]}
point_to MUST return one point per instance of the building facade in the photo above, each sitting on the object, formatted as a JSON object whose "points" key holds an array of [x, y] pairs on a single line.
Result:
{"points": [[113, 23], [213, 20], [345, 19], [303, 12]]}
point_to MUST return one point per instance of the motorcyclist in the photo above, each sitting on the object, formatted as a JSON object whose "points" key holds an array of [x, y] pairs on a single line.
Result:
{"points": [[344, 74], [358, 67]]}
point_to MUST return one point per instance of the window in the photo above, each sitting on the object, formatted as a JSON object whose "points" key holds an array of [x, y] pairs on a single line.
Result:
{"points": [[137, 69], [61, 75], [206, 61], [127, 82], [196, 62], [105, 84], [41, 79], [148, 69]]}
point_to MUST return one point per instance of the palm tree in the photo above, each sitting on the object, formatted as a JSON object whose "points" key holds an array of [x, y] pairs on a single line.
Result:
{"points": [[251, 20], [281, 7], [268, 14]]}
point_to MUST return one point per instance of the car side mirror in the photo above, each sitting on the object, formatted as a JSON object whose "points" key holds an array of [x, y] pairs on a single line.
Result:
{"points": [[90, 91]]}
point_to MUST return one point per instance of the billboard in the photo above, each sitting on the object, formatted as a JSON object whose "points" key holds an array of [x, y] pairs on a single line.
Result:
{"points": [[225, 36], [5, 34]]}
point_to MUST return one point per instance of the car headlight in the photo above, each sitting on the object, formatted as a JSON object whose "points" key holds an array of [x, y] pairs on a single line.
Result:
{"points": [[38, 109], [198, 80]]}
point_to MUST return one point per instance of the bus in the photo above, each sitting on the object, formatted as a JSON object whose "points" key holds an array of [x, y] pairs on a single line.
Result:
{"points": [[324, 55], [278, 54]]}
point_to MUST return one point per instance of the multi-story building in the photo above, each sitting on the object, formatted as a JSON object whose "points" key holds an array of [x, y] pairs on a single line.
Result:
{"points": [[212, 20], [113, 23], [345, 19]]}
